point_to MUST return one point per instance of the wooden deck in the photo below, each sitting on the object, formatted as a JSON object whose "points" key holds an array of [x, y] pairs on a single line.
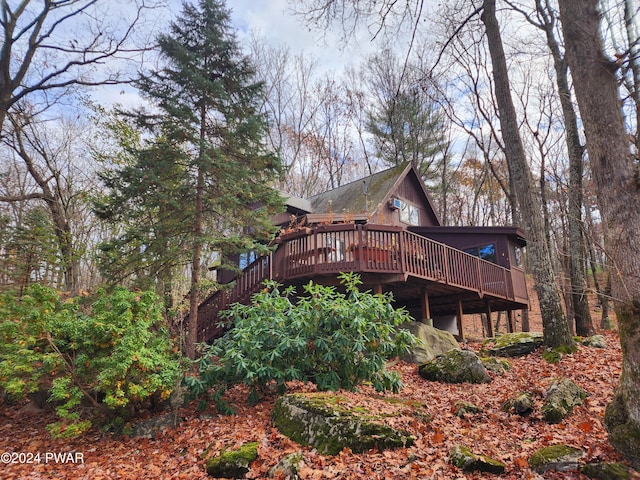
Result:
{"points": [[386, 257]]}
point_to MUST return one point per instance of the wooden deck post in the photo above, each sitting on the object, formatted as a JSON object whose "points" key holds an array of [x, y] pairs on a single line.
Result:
{"points": [[426, 311], [459, 320], [510, 321], [489, 324], [377, 289]]}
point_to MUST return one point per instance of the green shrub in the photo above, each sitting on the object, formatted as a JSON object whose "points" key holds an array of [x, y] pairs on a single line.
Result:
{"points": [[96, 360], [332, 339]]}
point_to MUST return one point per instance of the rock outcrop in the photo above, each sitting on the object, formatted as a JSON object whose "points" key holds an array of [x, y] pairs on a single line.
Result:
{"points": [[316, 420], [432, 342], [462, 457], [513, 344], [560, 399], [556, 457], [496, 365], [287, 467], [233, 463], [455, 366]]}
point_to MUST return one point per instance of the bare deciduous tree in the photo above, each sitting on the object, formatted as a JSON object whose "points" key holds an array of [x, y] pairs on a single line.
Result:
{"points": [[50, 47], [556, 328], [616, 173]]}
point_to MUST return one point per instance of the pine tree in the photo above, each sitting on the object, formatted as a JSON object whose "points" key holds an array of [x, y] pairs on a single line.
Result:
{"points": [[404, 119], [207, 111]]}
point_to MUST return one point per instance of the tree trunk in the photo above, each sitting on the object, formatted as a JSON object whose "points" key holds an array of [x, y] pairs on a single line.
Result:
{"points": [[617, 182], [556, 329], [194, 299], [581, 312], [65, 243]]}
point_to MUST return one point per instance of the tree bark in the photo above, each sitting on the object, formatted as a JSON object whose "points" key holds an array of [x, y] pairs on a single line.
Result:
{"points": [[194, 299], [581, 312], [617, 182], [556, 329]]}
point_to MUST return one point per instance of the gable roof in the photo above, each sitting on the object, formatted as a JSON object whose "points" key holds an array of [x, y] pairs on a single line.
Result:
{"points": [[360, 199], [351, 197]]}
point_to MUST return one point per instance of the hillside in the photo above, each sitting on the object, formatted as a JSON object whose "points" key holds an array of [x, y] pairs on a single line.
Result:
{"points": [[180, 452]]}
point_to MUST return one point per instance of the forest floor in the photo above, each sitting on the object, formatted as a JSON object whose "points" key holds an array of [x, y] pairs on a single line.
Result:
{"points": [[181, 452]]}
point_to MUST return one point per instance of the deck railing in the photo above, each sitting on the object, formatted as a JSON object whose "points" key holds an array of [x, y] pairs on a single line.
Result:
{"points": [[330, 249], [248, 283]]}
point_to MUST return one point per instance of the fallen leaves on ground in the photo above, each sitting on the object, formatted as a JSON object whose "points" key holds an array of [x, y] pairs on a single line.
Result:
{"points": [[181, 452]]}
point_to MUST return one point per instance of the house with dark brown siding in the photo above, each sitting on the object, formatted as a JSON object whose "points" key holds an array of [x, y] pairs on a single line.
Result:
{"points": [[385, 228]]}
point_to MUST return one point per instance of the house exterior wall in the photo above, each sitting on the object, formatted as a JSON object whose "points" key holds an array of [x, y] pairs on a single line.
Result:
{"points": [[464, 241], [409, 191]]}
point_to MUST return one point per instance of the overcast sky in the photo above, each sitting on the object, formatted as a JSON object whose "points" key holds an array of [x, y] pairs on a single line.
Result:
{"points": [[273, 20]]}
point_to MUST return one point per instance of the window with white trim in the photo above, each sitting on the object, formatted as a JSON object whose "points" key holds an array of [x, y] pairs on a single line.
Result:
{"points": [[409, 214]]}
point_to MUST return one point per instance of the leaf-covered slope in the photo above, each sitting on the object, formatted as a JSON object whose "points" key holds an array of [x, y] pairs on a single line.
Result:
{"points": [[511, 439]]}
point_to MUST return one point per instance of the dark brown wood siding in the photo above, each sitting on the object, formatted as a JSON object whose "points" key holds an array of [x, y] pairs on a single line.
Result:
{"points": [[409, 191]]}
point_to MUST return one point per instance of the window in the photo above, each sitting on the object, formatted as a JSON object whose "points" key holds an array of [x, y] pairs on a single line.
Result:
{"points": [[516, 255], [409, 213], [246, 259], [485, 252]]}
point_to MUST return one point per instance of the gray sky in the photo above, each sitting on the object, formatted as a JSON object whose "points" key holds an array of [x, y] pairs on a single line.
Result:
{"points": [[273, 20]]}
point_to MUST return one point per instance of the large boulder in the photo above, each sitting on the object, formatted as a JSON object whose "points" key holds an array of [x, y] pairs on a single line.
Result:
{"points": [[513, 344], [560, 399], [318, 421], [432, 342], [556, 457], [455, 366]]}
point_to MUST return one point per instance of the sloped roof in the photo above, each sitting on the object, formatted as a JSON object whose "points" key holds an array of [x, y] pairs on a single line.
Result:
{"points": [[351, 196], [296, 203]]}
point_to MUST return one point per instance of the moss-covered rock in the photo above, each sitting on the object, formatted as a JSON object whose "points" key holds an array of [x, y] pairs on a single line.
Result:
{"points": [[462, 457], [233, 463], [496, 365], [607, 471], [513, 344], [432, 342], [315, 420], [521, 404], [556, 457], [560, 399], [595, 341], [287, 467], [455, 366], [462, 409]]}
